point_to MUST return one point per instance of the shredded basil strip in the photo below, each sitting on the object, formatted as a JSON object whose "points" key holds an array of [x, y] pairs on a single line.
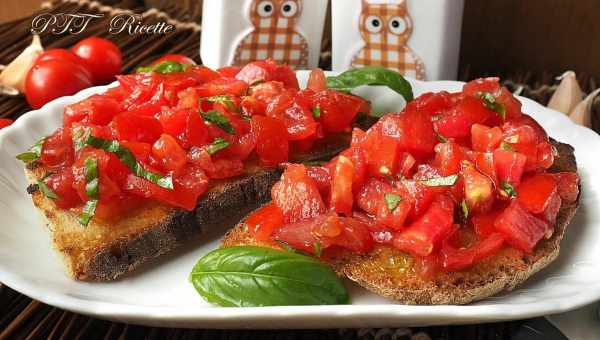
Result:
{"points": [[129, 160], [371, 75], [316, 112], [392, 201], [506, 146], [89, 210], [440, 181], [509, 189], [167, 66], [442, 139], [33, 153], [217, 145], [465, 209], [490, 102], [225, 100], [318, 250], [219, 120], [46, 190]]}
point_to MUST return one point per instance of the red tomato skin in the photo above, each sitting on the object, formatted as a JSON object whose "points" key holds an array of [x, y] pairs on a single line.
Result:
{"points": [[101, 56], [61, 184], [483, 223], [478, 190], [169, 154], [322, 177], [341, 199], [453, 259], [264, 221], [355, 236], [96, 109], [317, 80], [272, 145], [484, 162], [50, 79], [297, 195], [568, 186], [268, 70], [179, 58], [382, 158], [222, 86], [485, 139], [412, 130], [521, 229], [338, 110], [294, 111], [136, 128], [535, 192], [57, 149], [421, 195], [509, 166], [229, 71], [4, 122], [448, 158], [424, 235], [458, 121], [474, 87], [59, 54]]}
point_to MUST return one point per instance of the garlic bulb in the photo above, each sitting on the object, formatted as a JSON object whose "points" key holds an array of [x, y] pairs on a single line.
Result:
{"points": [[582, 113], [12, 78], [567, 95]]}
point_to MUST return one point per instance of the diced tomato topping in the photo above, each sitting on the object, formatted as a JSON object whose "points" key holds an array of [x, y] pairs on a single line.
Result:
{"points": [[136, 128], [317, 80], [297, 195], [509, 166], [264, 221], [61, 184], [520, 228], [169, 154], [453, 259], [457, 122], [337, 110], [485, 139], [268, 70], [568, 186], [483, 223], [479, 189], [222, 86], [448, 158], [535, 192], [341, 186], [57, 149], [272, 144]]}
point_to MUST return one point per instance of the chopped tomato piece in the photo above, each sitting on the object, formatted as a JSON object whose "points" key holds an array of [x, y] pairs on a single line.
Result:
{"points": [[337, 110], [136, 128], [97, 109], [272, 144], [264, 221], [535, 192], [169, 154], [484, 138], [382, 158], [520, 228], [413, 130], [458, 121], [294, 111], [484, 162], [222, 86], [355, 236], [297, 195], [421, 195], [568, 186], [453, 259], [57, 149], [509, 166], [479, 189], [426, 233], [322, 177], [448, 158], [229, 71], [268, 70], [317, 80], [341, 199], [483, 223], [61, 184]]}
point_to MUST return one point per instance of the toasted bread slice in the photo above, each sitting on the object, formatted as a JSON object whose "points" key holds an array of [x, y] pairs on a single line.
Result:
{"points": [[387, 271], [105, 250]]}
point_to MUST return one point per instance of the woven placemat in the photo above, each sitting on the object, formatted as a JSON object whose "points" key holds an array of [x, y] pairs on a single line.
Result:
{"points": [[24, 318]]}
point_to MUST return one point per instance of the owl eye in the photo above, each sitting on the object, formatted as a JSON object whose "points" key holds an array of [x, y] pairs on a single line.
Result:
{"points": [[397, 25], [265, 8], [373, 24], [289, 8]]}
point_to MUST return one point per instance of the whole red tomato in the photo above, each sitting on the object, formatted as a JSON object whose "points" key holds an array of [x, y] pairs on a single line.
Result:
{"points": [[180, 58], [4, 122], [50, 79], [59, 54], [102, 57]]}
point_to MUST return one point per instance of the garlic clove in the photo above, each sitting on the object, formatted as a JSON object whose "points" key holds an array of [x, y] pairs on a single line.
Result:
{"points": [[12, 78], [567, 95], [582, 113]]}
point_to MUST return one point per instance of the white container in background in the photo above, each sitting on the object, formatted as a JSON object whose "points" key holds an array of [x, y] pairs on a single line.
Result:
{"points": [[235, 32], [419, 38]]}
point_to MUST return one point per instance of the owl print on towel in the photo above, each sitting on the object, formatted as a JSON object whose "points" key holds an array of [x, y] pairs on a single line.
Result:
{"points": [[274, 34], [386, 26]]}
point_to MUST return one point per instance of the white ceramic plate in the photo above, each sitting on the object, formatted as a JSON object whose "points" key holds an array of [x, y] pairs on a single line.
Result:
{"points": [[160, 294]]}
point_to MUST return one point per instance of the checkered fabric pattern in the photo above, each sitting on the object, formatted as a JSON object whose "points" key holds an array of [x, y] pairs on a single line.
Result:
{"points": [[385, 48], [274, 38]]}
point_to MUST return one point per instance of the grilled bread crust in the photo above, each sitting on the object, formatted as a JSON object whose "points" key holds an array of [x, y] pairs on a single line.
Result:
{"points": [[384, 272]]}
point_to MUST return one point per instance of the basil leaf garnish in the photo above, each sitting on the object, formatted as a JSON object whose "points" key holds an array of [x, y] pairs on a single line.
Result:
{"points": [[167, 66], [371, 75], [129, 160], [506, 146], [490, 102], [440, 181], [465, 209], [33, 153], [89, 210], [217, 145], [46, 190], [225, 100], [392, 201], [508, 189], [219, 120], [249, 276], [316, 112]]}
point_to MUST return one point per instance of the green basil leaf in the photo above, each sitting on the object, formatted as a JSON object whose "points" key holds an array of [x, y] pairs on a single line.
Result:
{"points": [[249, 276], [46, 190], [490, 102], [506, 146], [318, 250], [219, 120], [440, 181], [217, 145], [316, 112], [508, 189], [465, 209], [129, 160], [89, 210], [167, 66], [33, 153], [91, 176], [442, 139], [392, 201], [224, 100], [371, 75]]}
